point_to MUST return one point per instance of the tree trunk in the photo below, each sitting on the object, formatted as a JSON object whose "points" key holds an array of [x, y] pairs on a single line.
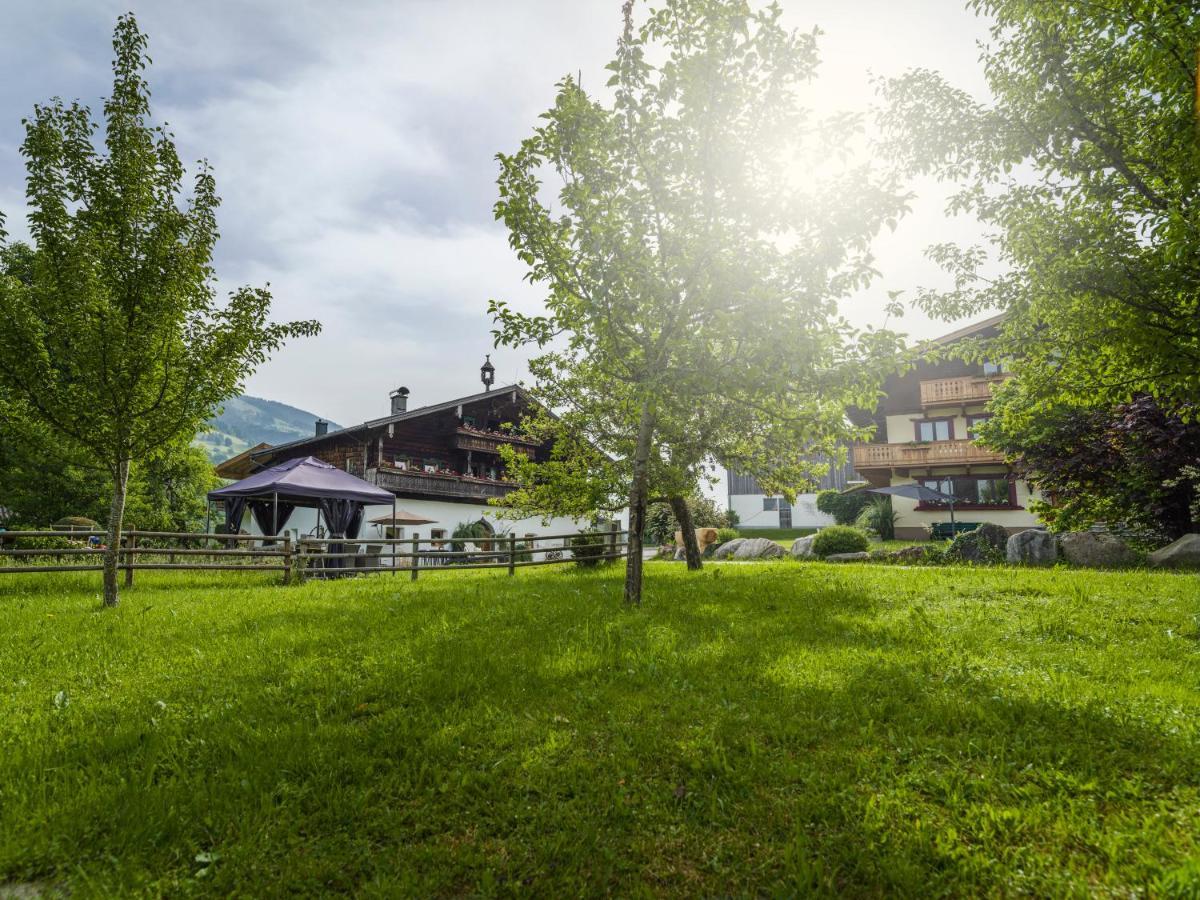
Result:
{"points": [[637, 507], [691, 547], [115, 514]]}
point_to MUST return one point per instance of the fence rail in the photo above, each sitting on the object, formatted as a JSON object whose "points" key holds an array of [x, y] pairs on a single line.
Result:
{"points": [[327, 557]]}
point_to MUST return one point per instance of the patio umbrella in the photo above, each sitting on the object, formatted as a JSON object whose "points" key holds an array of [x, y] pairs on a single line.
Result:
{"points": [[402, 517], [917, 491]]}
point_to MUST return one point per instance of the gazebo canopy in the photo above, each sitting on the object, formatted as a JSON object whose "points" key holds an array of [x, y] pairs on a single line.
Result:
{"points": [[307, 479], [274, 493]]}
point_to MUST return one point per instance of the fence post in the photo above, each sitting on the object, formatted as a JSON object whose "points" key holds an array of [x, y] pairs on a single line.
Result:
{"points": [[415, 541], [612, 538], [287, 558], [512, 553], [130, 544]]}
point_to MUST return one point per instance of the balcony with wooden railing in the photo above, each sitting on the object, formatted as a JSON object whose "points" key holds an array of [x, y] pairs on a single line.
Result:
{"points": [[491, 441], [922, 455], [440, 484], [959, 391]]}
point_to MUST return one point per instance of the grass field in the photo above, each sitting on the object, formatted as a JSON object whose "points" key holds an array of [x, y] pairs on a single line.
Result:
{"points": [[774, 729]]}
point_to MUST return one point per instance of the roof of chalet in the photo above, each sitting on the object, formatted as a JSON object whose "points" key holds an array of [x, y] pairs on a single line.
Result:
{"points": [[967, 330], [388, 420], [239, 466]]}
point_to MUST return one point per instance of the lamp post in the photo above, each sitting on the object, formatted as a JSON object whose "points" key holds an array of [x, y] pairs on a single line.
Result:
{"points": [[487, 373]]}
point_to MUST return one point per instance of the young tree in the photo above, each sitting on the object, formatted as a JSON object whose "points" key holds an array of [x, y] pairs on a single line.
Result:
{"points": [[1085, 167], [691, 270], [110, 332]]}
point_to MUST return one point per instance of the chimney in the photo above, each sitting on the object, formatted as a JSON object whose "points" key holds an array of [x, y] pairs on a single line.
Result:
{"points": [[322, 427], [399, 400]]}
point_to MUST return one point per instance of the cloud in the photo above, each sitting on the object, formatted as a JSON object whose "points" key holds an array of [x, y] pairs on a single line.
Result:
{"points": [[354, 143]]}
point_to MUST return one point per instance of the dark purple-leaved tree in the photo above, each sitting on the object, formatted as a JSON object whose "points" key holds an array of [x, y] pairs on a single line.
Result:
{"points": [[1135, 463]]}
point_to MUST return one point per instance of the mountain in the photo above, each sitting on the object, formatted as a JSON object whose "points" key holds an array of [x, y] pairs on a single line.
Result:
{"points": [[247, 421]]}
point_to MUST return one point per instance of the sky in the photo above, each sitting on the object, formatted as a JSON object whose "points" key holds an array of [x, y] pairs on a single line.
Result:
{"points": [[353, 144]]}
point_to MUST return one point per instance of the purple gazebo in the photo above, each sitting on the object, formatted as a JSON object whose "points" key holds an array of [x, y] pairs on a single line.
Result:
{"points": [[274, 493]]}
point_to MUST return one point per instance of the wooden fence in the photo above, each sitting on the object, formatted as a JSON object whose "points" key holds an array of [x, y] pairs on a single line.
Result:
{"points": [[327, 557]]}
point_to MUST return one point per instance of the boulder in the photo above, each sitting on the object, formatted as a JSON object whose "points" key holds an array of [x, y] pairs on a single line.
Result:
{"points": [[914, 554], [802, 547], [709, 551], [1183, 553], [1095, 550], [727, 549], [1032, 548], [758, 548], [680, 554], [848, 557]]}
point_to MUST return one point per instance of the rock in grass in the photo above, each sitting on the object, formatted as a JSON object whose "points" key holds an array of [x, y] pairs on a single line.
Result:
{"points": [[727, 549], [1032, 548], [1094, 550], [1181, 554], [848, 557], [802, 547], [758, 548]]}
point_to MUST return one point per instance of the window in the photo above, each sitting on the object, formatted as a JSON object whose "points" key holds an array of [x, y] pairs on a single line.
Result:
{"points": [[993, 368], [393, 532], [972, 421], [770, 504], [994, 492], [934, 429], [785, 515]]}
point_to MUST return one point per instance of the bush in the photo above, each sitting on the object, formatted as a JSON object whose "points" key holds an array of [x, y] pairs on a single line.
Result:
{"points": [[589, 548], [878, 518], [843, 507], [725, 535], [839, 539], [468, 531], [986, 544]]}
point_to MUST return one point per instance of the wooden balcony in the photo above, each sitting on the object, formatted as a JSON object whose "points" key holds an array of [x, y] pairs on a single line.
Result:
{"points": [[455, 487], [959, 391], [920, 456], [488, 442]]}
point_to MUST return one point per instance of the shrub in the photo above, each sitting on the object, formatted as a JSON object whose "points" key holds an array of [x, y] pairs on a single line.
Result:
{"points": [[878, 518], [725, 535], [467, 531], [839, 539], [589, 548], [844, 507], [986, 544], [661, 524]]}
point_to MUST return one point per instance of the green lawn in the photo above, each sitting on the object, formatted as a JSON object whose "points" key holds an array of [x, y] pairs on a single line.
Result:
{"points": [[771, 729]]}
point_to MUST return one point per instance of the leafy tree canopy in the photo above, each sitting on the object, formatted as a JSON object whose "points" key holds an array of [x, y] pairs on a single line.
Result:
{"points": [[1085, 169], [690, 275]]}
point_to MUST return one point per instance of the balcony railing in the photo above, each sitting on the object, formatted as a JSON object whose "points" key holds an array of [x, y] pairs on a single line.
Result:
{"points": [[407, 481], [952, 391], [937, 453], [483, 442]]}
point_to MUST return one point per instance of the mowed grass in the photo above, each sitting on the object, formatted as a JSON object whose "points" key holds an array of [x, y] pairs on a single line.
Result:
{"points": [[772, 729]]}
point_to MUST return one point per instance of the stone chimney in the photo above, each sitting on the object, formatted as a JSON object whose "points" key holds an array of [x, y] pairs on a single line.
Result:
{"points": [[322, 427], [399, 400]]}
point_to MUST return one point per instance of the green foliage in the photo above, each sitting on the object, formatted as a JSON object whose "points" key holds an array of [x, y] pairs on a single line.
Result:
{"points": [[468, 532], [1133, 463], [676, 237], [113, 339], [840, 539], [844, 506], [984, 545], [725, 535], [589, 548], [1042, 714], [1084, 168], [44, 479], [878, 518]]}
